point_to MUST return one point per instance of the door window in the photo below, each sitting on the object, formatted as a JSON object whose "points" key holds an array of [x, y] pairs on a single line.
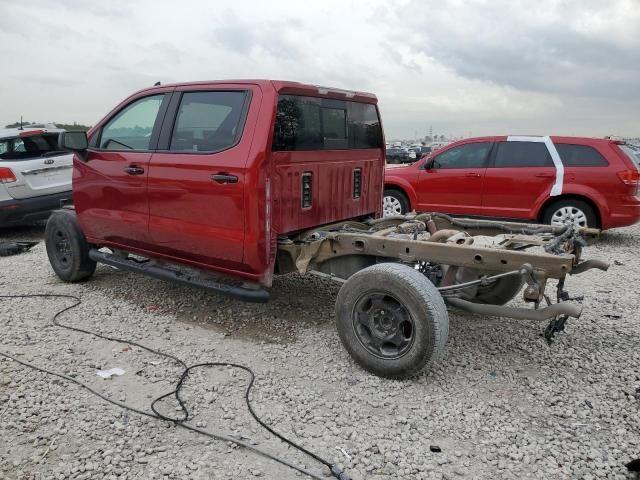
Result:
{"points": [[209, 121], [471, 155], [132, 127], [580, 156], [522, 154]]}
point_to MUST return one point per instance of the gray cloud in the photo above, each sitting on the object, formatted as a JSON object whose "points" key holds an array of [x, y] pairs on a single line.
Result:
{"points": [[480, 66], [245, 37], [537, 47]]}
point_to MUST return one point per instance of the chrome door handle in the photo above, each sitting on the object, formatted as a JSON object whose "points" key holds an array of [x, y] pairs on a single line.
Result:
{"points": [[224, 178], [133, 170]]}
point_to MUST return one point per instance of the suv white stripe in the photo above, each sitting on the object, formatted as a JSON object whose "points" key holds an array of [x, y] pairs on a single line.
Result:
{"points": [[557, 162]]}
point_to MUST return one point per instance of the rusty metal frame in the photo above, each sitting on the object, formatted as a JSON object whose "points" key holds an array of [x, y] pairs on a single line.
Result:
{"points": [[336, 244]]}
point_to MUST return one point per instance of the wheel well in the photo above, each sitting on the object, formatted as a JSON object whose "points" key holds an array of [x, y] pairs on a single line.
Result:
{"points": [[559, 198], [402, 191]]}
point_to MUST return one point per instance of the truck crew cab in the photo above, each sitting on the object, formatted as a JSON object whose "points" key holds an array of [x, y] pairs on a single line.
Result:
{"points": [[194, 182]]}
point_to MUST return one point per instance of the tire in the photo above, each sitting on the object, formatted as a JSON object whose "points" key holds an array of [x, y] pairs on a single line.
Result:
{"points": [[67, 247], [583, 214], [394, 202], [392, 320]]}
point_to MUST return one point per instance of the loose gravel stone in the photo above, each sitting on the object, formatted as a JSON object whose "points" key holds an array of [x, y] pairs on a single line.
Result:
{"points": [[501, 404]]}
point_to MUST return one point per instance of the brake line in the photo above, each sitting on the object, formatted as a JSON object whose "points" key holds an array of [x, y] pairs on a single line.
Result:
{"points": [[335, 470]]}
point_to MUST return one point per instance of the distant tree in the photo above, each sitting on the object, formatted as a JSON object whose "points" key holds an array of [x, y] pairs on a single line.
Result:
{"points": [[65, 126]]}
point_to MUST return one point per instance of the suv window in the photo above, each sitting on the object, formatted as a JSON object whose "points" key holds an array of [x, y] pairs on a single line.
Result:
{"points": [[32, 146], [208, 121], [522, 154], [470, 155], [310, 123], [580, 156], [132, 127]]}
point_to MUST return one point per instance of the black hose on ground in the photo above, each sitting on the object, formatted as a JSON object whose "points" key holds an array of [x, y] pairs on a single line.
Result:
{"points": [[334, 469]]}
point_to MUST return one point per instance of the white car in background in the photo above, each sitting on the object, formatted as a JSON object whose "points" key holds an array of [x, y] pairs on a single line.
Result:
{"points": [[35, 176]]}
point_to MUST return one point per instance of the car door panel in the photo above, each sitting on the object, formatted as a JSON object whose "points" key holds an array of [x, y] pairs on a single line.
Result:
{"points": [[519, 173], [453, 181], [111, 204]]}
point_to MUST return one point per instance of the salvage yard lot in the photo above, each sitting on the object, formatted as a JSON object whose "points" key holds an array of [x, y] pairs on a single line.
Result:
{"points": [[501, 404]]}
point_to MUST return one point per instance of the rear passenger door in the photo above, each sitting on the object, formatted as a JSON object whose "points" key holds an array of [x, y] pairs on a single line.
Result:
{"points": [[197, 177], [519, 174]]}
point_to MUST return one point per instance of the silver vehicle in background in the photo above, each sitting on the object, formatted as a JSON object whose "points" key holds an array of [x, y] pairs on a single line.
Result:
{"points": [[35, 176]]}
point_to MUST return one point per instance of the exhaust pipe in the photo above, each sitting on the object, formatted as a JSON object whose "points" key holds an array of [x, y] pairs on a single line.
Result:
{"points": [[547, 313]]}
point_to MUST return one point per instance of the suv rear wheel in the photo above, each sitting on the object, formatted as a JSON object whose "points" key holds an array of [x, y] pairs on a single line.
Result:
{"points": [[394, 202], [573, 211], [67, 248]]}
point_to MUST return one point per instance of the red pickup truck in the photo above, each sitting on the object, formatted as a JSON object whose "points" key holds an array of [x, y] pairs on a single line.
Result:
{"points": [[221, 185]]}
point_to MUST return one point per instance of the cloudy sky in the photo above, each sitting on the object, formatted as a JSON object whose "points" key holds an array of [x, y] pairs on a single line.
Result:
{"points": [[464, 67]]}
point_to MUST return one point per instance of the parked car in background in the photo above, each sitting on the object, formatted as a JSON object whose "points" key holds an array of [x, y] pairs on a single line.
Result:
{"points": [[398, 155], [586, 181], [35, 176]]}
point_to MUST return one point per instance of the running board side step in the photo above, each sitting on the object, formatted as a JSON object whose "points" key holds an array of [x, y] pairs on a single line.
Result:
{"points": [[257, 295], [546, 313]]}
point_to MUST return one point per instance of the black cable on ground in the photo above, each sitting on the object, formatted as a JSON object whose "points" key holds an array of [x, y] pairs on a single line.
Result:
{"points": [[335, 471]]}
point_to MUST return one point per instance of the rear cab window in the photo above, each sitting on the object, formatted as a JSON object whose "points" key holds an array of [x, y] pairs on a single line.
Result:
{"points": [[313, 123]]}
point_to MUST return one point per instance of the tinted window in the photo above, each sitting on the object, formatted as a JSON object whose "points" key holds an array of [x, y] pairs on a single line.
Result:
{"points": [[131, 128], [580, 156], [522, 154], [32, 146], [471, 155], [310, 123], [208, 121]]}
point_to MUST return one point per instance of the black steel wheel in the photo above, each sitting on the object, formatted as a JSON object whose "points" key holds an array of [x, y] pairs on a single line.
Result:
{"points": [[383, 325], [67, 248], [392, 320]]}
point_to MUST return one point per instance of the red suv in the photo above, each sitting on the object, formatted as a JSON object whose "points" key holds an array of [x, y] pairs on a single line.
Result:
{"points": [[587, 181]]}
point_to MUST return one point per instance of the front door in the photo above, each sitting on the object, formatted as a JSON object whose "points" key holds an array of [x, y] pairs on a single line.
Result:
{"points": [[519, 173], [196, 183], [111, 200], [453, 181]]}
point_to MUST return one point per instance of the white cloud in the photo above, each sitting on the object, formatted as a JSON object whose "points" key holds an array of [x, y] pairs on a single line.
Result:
{"points": [[485, 67]]}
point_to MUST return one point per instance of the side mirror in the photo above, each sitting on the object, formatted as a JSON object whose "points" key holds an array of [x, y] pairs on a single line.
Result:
{"points": [[74, 141], [428, 163]]}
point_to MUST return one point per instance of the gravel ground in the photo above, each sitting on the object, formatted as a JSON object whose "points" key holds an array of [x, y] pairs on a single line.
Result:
{"points": [[501, 404]]}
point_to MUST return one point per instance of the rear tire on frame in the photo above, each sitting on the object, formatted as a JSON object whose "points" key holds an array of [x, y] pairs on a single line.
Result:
{"points": [[392, 320]]}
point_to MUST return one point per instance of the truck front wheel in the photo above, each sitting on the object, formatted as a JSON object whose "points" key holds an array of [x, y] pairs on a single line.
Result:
{"points": [[392, 320], [67, 248]]}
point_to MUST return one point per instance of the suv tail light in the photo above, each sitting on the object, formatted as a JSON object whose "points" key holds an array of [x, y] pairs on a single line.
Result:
{"points": [[6, 175], [631, 178]]}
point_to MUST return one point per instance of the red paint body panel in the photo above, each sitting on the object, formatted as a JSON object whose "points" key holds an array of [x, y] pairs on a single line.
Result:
{"points": [[175, 211], [522, 192]]}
